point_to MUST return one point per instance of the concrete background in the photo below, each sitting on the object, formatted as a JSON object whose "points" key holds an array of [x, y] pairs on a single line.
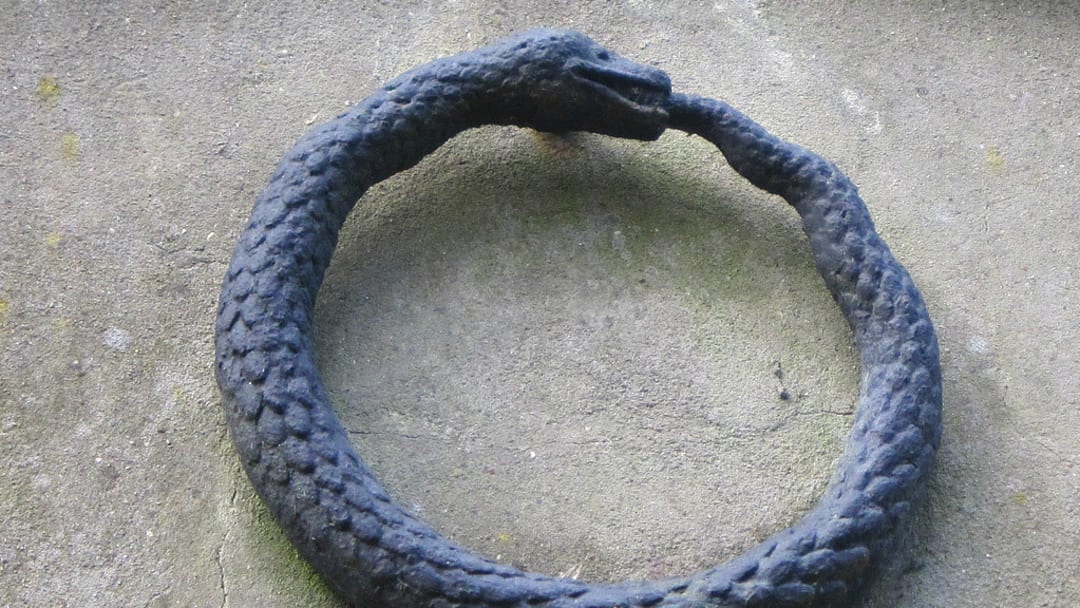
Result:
{"points": [[569, 353]]}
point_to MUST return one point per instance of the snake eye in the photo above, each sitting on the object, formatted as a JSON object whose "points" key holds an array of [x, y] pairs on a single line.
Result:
{"points": [[603, 55]]}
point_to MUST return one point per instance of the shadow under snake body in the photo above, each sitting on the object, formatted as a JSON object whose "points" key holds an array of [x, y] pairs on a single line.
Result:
{"points": [[374, 553]]}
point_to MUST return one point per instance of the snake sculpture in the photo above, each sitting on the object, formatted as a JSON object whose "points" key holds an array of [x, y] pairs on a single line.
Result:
{"points": [[371, 551]]}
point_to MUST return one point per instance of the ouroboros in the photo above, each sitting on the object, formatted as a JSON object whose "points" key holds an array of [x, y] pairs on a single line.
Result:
{"points": [[374, 553]]}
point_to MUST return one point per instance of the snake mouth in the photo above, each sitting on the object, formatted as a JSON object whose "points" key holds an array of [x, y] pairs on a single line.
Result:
{"points": [[644, 90]]}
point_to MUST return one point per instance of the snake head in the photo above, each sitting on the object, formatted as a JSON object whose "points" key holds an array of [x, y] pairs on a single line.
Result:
{"points": [[564, 81]]}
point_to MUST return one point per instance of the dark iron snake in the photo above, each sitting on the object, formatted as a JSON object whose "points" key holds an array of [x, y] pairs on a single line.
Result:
{"points": [[374, 553]]}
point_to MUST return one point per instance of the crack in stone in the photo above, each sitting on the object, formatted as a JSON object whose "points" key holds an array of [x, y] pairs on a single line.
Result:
{"points": [[220, 562], [221, 573]]}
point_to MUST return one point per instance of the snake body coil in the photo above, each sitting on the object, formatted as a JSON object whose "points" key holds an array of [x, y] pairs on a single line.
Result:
{"points": [[372, 552]]}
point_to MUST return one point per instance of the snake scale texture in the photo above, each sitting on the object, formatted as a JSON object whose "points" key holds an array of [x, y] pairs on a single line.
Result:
{"points": [[374, 553]]}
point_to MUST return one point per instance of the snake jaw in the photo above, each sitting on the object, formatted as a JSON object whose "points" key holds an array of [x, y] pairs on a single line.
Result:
{"points": [[641, 90], [624, 99]]}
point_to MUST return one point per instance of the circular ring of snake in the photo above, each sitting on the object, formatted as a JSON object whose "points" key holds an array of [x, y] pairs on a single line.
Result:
{"points": [[374, 553]]}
